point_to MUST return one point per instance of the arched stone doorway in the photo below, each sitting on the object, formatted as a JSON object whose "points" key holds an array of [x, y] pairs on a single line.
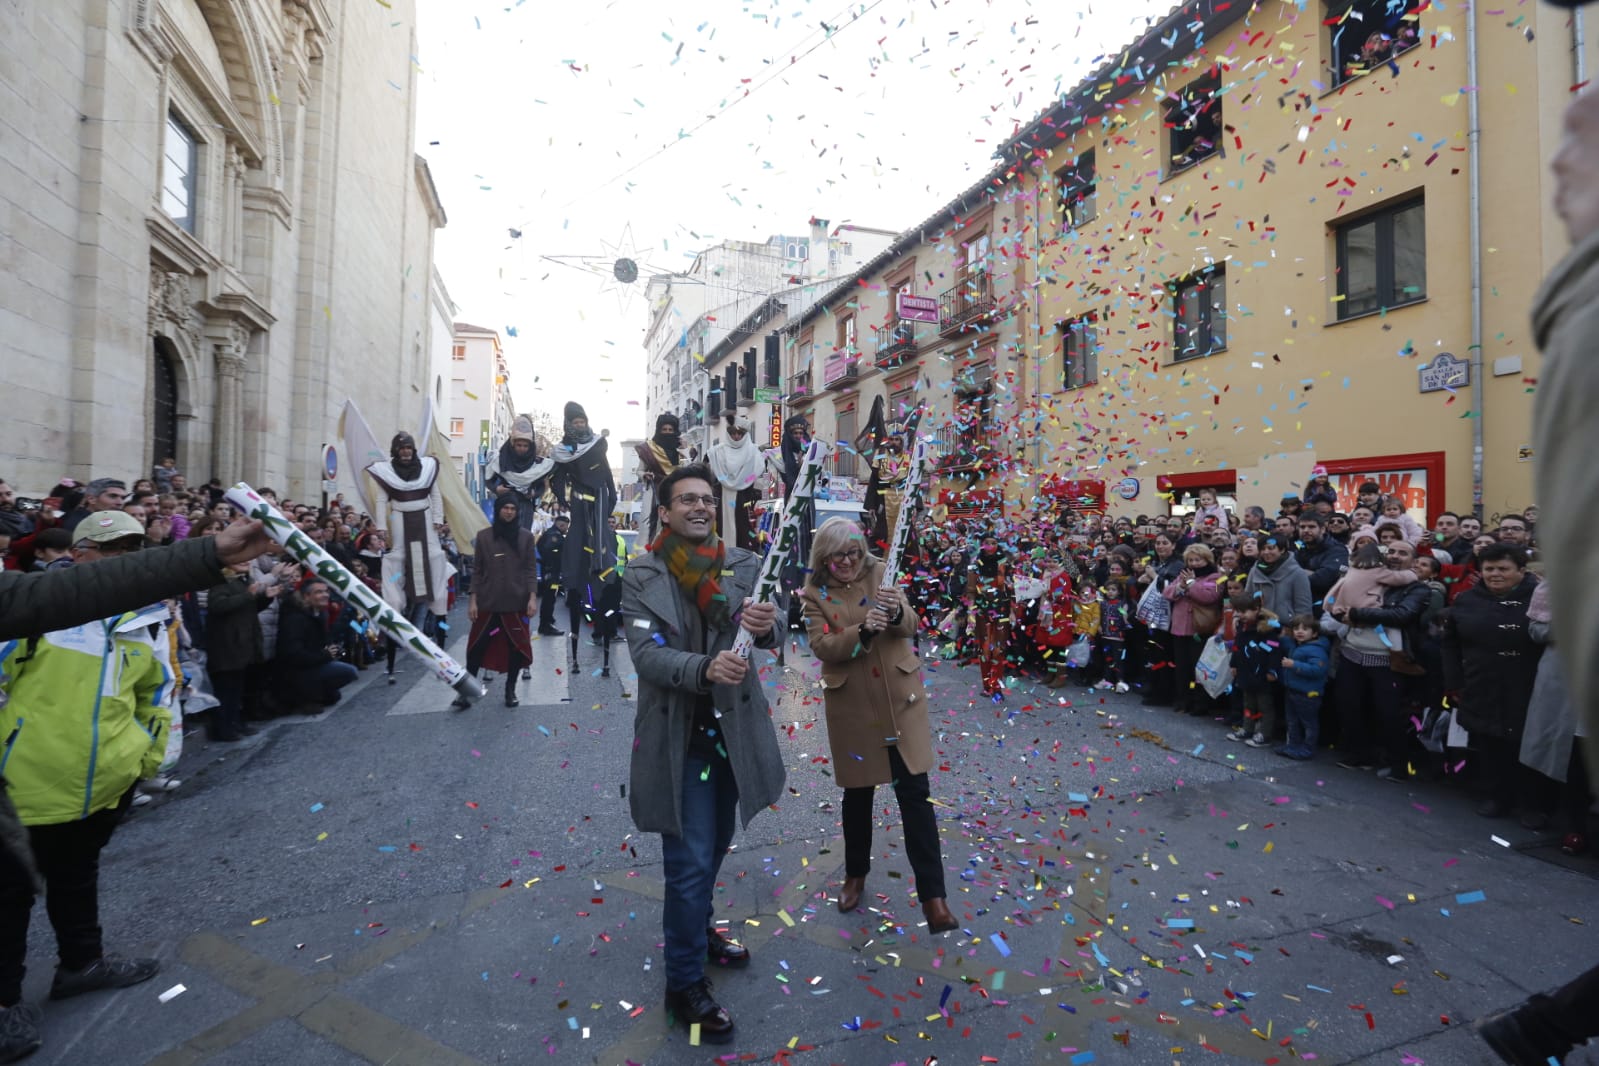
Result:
{"points": [[164, 401]]}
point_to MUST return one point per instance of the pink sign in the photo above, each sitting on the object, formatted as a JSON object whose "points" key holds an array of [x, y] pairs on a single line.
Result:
{"points": [[837, 367], [916, 308]]}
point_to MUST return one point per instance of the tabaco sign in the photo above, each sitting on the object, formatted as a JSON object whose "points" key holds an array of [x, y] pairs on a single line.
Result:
{"points": [[776, 435]]}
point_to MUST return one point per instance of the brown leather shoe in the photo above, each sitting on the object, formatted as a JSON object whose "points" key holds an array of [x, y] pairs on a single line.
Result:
{"points": [[849, 897], [939, 919]]}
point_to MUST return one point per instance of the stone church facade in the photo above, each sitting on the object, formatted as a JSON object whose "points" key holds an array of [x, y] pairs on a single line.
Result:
{"points": [[215, 230]]}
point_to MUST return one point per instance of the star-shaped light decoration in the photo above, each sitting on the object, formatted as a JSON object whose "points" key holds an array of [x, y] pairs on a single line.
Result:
{"points": [[620, 267]]}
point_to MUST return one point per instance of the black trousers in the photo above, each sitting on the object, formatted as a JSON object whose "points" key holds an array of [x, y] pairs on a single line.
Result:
{"points": [[1372, 719], [921, 829], [1185, 653], [547, 597], [476, 653], [609, 622], [68, 856]]}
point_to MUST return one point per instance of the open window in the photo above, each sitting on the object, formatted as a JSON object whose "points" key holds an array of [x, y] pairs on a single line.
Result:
{"points": [[1363, 35], [1199, 308], [1075, 187], [1192, 117], [1079, 340]]}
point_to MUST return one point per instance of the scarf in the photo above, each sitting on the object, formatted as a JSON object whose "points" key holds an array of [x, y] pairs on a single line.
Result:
{"points": [[668, 447], [510, 532], [697, 566]]}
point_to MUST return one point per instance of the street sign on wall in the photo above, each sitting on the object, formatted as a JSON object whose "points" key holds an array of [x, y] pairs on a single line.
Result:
{"points": [[768, 395]]}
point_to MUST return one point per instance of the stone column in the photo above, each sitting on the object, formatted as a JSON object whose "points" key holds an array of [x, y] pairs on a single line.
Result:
{"points": [[229, 435]]}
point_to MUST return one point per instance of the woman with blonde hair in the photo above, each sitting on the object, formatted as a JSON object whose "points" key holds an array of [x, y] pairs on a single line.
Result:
{"points": [[876, 709]]}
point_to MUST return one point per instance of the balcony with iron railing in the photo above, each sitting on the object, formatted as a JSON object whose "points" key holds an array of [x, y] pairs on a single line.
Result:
{"points": [[968, 305], [843, 369], [895, 344], [799, 385]]}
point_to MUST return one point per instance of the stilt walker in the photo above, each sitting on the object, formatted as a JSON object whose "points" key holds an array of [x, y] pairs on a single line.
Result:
{"points": [[583, 482]]}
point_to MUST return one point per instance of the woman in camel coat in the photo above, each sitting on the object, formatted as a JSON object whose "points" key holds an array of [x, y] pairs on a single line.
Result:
{"points": [[876, 709]]}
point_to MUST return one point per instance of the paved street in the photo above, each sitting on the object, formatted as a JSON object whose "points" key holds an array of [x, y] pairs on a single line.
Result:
{"points": [[396, 883]]}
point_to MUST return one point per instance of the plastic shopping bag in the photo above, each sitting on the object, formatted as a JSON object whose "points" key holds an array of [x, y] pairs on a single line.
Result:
{"points": [[1078, 655], [1214, 671]]}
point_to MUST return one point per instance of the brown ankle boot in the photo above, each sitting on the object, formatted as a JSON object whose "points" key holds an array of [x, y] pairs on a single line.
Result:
{"points": [[849, 897], [939, 919]]}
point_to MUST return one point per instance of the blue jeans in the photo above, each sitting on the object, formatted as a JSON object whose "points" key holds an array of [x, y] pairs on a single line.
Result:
{"points": [[1304, 720], [692, 862], [327, 679]]}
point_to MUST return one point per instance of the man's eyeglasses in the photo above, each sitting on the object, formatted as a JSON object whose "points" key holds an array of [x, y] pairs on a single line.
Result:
{"points": [[848, 555], [690, 499]]}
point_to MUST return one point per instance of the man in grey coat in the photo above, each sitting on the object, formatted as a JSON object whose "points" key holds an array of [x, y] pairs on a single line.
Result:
{"points": [[704, 746]]}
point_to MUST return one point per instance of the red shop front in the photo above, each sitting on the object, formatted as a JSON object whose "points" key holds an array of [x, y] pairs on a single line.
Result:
{"points": [[971, 503], [1176, 487], [1417, 478], [1074, 494]]}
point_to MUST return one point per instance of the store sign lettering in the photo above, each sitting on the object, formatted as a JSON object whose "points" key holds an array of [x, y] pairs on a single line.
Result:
{"points": [[1409, 485]]}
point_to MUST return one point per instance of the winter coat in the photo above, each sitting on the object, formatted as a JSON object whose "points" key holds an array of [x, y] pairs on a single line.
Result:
{"points": [[1258, 654], [669, 689], [1399, 618], [549, 556], [57, 599], [1308, 676], [505, 576], [1565, 424], [232, 625], [873, 690], [1315, 494], [1325, 562], [87, 711], [1491, 660], [303, 638], [1284, 590], [1203, 592]]}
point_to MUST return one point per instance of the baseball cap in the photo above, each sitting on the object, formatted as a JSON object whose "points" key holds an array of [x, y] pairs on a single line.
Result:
{"points": [[103, 527]]}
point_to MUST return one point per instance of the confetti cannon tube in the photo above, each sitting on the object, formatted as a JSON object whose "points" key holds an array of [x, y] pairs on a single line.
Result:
{"points": [[787, 536], [902, 522], [354, 591]]}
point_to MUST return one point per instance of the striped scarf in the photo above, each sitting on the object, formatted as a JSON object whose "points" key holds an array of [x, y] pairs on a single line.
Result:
{"points": [[697, 566]]}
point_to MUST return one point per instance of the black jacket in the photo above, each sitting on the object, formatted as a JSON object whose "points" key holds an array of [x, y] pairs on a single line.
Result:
{"points": [[1490, 658], [1325, 563], [1401, 613], [549, 551], [232, 625], [303, 637]]}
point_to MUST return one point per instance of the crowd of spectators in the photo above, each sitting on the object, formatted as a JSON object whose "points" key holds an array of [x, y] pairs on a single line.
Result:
{"points": [[1334, 629], [271, 639]]}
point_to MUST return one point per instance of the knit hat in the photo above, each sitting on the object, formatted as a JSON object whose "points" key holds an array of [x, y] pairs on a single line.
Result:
{"points": [[522, 428], [1318, 471], [573, 410]]}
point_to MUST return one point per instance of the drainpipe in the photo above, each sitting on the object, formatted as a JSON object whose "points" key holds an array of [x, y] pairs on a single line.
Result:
{"points": [[1474, 164], [1579, 48]]}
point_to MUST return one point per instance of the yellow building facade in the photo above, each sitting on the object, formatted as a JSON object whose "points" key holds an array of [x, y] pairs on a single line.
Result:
{"points": [[1246, 246]]}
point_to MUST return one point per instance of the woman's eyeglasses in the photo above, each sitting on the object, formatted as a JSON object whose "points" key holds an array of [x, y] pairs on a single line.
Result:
{"points": [[849, 555]]}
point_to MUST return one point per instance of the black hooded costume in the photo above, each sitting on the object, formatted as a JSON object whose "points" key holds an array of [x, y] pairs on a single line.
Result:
{"points": [[521, 474], [583, 482]]}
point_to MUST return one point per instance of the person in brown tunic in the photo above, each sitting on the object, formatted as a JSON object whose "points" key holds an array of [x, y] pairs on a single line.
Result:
{"points": [[504, 594], [876, 709]]}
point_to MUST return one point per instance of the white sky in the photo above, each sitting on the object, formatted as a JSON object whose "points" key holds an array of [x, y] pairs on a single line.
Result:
{"points": [[563, 120]]}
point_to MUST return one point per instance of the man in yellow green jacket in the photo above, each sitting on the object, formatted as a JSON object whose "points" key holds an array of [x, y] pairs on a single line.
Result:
{"points": [[84, 714]]}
